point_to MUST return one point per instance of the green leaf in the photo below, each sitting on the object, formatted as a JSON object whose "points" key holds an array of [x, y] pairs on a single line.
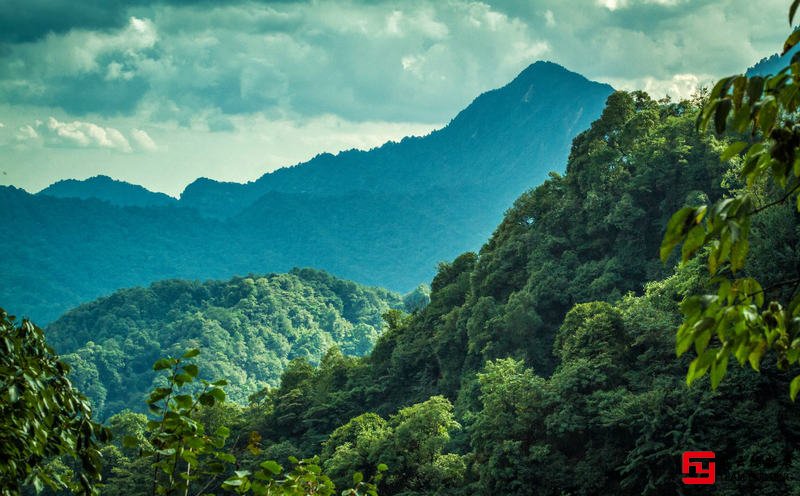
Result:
{"points": [[357, 478], [718, 369], [184, 401], [191, 353], [732, 150], [794, 387], [38, 485], [218, 394], [754, 357], [232, 483], [755, 89], [271, 466], [791, 41], [183, 378], [721, 115], [191, 369], [222, 432], [676, 230], [694, 240], [158, 394], [767, 114], [162, 363], [793, 11], [13, 394]]}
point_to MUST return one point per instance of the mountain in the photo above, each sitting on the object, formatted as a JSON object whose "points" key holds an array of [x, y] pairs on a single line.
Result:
{"points": [[383, 217], [250, 327], [104, 188], [772, 64], [507, 140], [547, 359]]}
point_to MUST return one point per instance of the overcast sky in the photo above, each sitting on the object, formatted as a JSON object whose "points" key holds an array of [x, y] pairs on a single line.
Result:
{"points": [[160, 93]]}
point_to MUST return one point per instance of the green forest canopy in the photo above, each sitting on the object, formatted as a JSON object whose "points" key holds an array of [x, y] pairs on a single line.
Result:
{"points": [[250, 327], [547, 360]]}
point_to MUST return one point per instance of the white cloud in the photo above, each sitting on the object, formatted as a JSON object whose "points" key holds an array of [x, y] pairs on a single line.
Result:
{"points": [[26, 132], [677, 87], [85, 135], [143, 140]]}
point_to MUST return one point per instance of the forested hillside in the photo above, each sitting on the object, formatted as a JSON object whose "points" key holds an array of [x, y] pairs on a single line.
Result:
{"points": [[250, 327], [384, 217], [547, 359]]}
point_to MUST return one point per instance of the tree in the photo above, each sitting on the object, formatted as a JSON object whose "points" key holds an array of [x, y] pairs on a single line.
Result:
{"points": [[42, 417], [742, 317]]}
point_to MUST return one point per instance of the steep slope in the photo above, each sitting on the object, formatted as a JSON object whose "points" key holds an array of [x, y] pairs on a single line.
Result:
{"points": [[589, 235], [555, 343], [104, 188], [249, 328], [384, 217]]}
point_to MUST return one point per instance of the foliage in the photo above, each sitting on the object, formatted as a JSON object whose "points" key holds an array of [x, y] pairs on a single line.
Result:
{"points": [[178, 440], [251, 328], [175, 446], [412, 443], [42, 417], [542, 364], [743, 317]]}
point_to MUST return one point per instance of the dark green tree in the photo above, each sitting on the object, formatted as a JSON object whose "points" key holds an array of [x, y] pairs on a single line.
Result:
{"points": [[42, 417]]}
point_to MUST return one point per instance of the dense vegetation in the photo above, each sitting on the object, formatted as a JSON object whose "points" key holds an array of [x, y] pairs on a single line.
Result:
{"points": [[250, 328], [383, 217], [547, 360]]}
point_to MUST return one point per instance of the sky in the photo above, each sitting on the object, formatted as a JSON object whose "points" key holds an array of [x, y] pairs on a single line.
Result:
{"points": [[159, 93]]}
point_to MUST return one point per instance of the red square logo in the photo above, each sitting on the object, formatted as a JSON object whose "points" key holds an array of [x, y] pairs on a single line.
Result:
{"points": [[698, 467]]}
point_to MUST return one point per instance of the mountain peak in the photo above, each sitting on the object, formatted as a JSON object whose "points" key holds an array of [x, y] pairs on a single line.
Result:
{"points": [[105, 188]]}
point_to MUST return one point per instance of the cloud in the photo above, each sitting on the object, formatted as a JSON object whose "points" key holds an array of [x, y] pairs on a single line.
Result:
{"points": [[143, 140], [26, 132], [79, 134], [175, 62], [424, 60]]}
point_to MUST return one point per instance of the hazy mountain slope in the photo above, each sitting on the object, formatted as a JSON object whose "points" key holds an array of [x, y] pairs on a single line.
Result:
{"points": [[385, 217], [507, 140], [104, 188]]}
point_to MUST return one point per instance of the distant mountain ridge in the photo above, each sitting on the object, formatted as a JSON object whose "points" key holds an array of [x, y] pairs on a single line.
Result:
{"points": [[107, 189], [772, 64], [382, 217], [448, 157]]}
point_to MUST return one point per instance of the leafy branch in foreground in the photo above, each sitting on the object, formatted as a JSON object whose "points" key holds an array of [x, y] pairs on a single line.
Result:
{"points": [[178, 439], [42, 417], [187, 460], [746, 318]]}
